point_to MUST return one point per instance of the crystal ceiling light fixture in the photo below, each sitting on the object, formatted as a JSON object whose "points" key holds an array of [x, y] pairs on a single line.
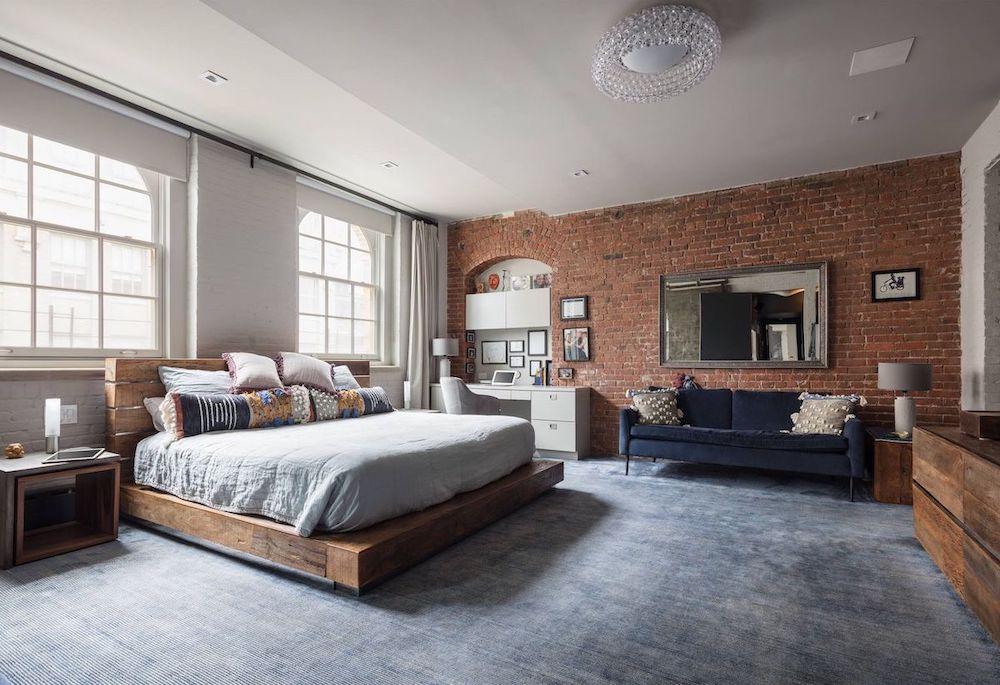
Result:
{"points": [[656, 53]]}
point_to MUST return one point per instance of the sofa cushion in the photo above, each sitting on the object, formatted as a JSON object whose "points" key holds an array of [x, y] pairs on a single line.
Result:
{"points": [[764, 410], [772, 440], [706, 408]]}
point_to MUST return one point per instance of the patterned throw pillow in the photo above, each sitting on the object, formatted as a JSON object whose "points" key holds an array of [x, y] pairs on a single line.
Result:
{"points": [[302, 408], [349, 404], [187, 415], [657, 408], [826, 416], [324, 404]]}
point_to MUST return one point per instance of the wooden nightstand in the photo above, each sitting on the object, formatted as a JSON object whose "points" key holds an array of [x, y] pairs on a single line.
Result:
{"points": [[49, 509], [892, 467]]}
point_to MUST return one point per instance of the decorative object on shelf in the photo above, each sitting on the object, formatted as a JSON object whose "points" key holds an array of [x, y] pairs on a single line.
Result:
{"points": [[470, 337], [470, 367], [656, 53], [904, 376], [520, 283], [480, 287], [536, 370], [984, 425], [494, 352], [53, 418], [541, 281], [517, 346], [576, 344], [516, 361], [565, 373], [444, 348], [493, 282], [14, 450], [470, 352], [572, 308], [900, 284], [504, 280], [538, 342]]}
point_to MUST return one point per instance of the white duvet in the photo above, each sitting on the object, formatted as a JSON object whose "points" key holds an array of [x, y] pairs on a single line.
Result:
{"points": [[337, 475]]}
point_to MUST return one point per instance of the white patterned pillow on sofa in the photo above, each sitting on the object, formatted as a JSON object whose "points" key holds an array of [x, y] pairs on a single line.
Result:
{"points": [[659, 408]]}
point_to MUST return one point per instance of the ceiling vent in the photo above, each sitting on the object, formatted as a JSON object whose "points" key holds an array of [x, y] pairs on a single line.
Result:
{"points": [[388, 165], [214, 78], [862, 118], [579, 173], [881, 57]]}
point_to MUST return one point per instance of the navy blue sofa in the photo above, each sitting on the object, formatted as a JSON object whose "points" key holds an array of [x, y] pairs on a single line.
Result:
{"points": [[743, 428]]}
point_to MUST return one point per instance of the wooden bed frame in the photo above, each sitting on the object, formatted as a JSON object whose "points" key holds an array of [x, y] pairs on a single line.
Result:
{"points": [[354, 561]]}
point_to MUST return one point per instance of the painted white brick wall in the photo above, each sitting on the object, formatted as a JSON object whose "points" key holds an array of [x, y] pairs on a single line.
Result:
{"points": [[980, 315], [22, 404]]}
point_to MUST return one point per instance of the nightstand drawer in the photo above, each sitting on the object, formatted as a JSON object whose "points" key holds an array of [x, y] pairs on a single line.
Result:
{"points": [[553, 405], [555, 435]]}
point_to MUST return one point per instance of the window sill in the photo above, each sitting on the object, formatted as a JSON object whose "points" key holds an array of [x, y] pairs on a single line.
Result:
{"points": [[51, 373]]}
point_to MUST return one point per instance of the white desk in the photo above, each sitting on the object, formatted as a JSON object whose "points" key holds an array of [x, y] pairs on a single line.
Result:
{"points": [[559, 414]]}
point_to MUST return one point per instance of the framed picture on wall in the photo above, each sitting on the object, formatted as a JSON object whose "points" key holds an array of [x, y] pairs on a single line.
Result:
{"points": [[517, 346], [516, 361], [899, 284], [571, 308], [566, 373], [470, 352], [494, 352], [534, 366], [470, 368], [576, 344], [538, 343], [470, 337]]}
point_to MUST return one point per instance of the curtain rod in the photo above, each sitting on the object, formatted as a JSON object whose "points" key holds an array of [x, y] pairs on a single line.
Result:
{"points": [[253, 154]]}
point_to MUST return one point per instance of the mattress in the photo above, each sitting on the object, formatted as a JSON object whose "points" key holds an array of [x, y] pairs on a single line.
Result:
{"points": [[339, 475]]}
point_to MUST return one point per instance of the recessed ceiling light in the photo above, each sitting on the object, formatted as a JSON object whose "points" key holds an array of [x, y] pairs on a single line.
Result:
{"points": [[389, 165], [579, 173], [862, 118], [214, 78], [881, 57]]}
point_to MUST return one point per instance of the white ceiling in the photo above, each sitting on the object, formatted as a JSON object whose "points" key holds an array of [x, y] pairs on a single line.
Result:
{"points": [[488, 106]]}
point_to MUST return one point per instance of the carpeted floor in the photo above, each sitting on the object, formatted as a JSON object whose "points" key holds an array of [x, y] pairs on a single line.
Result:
{"points": [[677, 574]]}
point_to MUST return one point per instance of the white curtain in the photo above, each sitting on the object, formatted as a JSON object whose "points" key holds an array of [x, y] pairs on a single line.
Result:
{"points": [[423, 312]]}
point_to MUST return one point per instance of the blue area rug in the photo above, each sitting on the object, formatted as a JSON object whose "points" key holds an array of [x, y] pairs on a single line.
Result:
{"points": [[676, 574]]}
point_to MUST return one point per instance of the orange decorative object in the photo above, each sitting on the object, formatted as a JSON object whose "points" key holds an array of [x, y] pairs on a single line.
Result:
{"points": [[14, 450], [494, 281]]}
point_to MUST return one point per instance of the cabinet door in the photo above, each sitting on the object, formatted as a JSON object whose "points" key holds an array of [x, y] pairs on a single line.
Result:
{"points": [[528, 308], [485, 311]]}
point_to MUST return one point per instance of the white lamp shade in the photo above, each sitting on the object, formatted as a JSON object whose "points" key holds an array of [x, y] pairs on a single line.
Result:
{"points": [[444, 347], [904, 376], [53, 417]]}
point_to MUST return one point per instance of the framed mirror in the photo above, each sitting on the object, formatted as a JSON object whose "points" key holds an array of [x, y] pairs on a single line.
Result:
{"points": [[772, 316]]}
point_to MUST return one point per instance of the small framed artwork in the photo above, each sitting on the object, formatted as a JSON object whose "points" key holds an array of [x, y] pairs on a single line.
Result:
{"points": [[470, 352], [538, 342], [534, 366], [470, 337], [541, 281], [572, 308], [517, 346], [516, 361], [520, 282], [470, 367], [566, 373], [494, 352], [576, 344], [899, 284]]}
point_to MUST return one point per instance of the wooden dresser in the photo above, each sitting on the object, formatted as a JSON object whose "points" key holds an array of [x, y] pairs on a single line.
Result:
{"points": [[956, 514]]}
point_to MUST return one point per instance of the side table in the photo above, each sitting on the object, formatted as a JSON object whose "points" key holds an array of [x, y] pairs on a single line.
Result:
{"points": [[892, 467]]}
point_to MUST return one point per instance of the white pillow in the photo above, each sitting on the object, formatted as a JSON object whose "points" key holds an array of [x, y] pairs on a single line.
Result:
{"points": [[301, 369], [343, 379], [195, 381], [152, 405], [252, 372]]}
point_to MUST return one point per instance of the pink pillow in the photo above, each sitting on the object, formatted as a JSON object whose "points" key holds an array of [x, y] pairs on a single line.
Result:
{"points": [[251, 371], [301, 369]]}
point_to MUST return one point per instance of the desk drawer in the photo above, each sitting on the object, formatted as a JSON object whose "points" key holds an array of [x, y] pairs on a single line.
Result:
{"points": [[499, 394], [553, 406], [555, 435], [520, 394]]}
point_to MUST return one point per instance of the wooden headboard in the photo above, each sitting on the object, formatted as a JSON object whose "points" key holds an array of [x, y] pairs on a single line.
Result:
{"points": [[127, 382]]}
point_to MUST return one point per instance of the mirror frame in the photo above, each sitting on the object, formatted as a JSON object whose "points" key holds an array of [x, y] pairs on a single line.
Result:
{"points": [[822, 330]]}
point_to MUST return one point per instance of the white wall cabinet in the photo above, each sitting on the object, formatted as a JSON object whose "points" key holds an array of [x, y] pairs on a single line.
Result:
{"points": [[511, 309]]}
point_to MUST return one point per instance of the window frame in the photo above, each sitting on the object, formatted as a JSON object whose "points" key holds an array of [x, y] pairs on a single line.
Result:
{"points": [[155, 187], [376, 251]]}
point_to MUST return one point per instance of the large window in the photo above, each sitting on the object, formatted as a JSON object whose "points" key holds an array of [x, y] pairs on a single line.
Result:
{"points": [[338, 292], [78, 251]]}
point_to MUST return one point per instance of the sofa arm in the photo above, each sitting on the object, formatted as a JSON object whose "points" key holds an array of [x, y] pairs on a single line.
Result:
{"points": [[627, 418], [854, 431]]}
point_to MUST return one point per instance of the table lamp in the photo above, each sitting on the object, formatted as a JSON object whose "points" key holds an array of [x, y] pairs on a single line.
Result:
{"points": [[444, 348], [904, 376], [53, 416]]}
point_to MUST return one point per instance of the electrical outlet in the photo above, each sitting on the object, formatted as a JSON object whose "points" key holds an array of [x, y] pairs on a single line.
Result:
{"points": [[68, 414]]}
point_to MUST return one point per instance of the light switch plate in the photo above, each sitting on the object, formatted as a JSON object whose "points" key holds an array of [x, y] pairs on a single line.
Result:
{"points": [[68, 414]]}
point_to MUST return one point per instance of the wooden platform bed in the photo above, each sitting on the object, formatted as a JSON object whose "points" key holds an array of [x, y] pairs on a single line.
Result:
{"points": [[355, 561]]}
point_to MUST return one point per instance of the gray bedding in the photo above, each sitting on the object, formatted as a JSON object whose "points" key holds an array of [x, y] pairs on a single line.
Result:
{"points": [[337, 475]]}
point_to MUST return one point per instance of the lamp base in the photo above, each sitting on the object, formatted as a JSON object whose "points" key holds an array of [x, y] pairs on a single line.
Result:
{"points": [[444, 368], [51, 444], [906, 414]]}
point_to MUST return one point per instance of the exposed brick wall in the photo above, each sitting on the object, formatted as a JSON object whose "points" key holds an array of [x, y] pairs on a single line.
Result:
{"points": [[895, 215]]}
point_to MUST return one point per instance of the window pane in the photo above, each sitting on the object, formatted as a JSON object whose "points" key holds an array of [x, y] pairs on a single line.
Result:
{"points": [[340, 299], [63, 199], [312, 337], [364, 337], [15, 253], [126, 213], [336, 260], [310, 255], [62, 156], [120, 172], [66, 261], [364, 302], [13, 142], [336, 230], [128, 269], [359, 240], [340, 336], [312, 224], [311, 299], [129, 323], [15, 316], [13, 187], [65, 319], [361, 266]]}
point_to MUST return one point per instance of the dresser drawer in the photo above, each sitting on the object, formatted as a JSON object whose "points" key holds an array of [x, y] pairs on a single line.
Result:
{"points": [[981, 504], [553, 405], [555, 435], [939, 466]]}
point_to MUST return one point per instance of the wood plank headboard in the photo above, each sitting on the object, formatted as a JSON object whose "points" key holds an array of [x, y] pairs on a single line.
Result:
{"points": [[127, 382]]}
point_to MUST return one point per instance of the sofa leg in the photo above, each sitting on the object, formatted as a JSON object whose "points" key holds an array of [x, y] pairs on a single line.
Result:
{"points": [[851, 487]]}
